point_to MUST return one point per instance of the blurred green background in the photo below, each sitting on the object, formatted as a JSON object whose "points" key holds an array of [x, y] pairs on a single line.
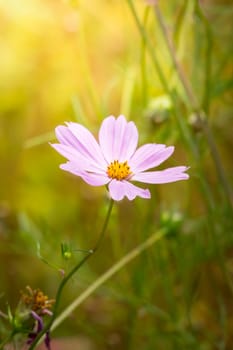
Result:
{"points": [[82, 61]]}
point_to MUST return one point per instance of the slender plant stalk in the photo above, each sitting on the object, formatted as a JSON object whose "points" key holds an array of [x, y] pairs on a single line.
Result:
{"points": [[202, 121], [177, 66], [143, 63], [208, 57], [182, 124], [108, 274], [193, 100], [69, 275], [185, 133], [217, 161], [206, 104], [179, 21]]}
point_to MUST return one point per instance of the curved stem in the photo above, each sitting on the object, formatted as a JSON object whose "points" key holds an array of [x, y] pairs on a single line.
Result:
{"points": [[101, 236], [70, 274], [126, 259]]}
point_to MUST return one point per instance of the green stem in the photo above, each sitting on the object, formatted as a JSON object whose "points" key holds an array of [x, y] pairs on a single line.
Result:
{"points": [[69, 275], [202, 121], [143, 63], [149, 47], [193, 101], [208, 57], [109, 273], [177, 66], [181, 122], [217, 162], [185, 133]]}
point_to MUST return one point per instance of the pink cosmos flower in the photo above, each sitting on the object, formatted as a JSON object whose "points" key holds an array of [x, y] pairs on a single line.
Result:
{"points": [[115, 159]]}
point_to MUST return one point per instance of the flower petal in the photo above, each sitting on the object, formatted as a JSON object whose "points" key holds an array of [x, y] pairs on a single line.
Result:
{"points": [[119, 189], [164, 176], [92, 179], [129, 142], [81, 162], [106, 136], [118, 139], [120, 127], [85, 143], [71, 154], [65, 136], [126, 139], [149, 156], [40, 324]]}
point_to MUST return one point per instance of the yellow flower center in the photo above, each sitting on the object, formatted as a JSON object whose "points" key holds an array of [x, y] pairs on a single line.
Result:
{"points": [[118, 170], [35, 300]]}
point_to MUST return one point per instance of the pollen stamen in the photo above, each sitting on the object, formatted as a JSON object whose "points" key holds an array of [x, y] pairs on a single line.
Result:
{"points": [[118, 170], [36, 300]]}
